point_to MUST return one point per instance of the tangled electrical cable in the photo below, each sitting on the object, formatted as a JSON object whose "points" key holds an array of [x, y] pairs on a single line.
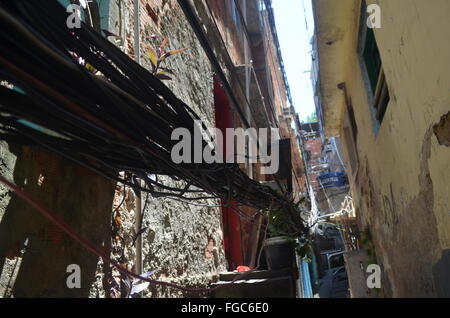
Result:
{"points": [[118, 118], [100, 253]]}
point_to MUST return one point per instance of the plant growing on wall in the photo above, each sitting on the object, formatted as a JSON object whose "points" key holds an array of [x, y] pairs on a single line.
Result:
{"points": [[160, 55], [367, 244], [279, 225]]}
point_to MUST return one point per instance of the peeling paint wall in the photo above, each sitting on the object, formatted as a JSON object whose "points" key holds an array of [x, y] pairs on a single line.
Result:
{"points": [[401, 184]]}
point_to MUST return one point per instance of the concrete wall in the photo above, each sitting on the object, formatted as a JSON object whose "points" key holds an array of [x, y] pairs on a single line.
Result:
{"points": [[401, 184]]}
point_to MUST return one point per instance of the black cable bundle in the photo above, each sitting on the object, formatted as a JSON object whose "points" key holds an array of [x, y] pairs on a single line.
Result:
{"points": [[121, 120]]}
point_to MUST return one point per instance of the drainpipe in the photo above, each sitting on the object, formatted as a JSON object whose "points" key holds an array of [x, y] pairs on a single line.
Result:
{"points": [[247, 76], [137, 52], [137, 31]]}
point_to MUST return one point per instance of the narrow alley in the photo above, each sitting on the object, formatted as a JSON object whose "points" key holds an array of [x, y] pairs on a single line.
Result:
{"points": [[224, 149]]}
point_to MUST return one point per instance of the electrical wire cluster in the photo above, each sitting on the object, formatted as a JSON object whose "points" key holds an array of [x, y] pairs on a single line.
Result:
{"points": [[78, 95]]}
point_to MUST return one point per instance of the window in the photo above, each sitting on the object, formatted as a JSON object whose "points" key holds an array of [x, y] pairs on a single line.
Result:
{"points": [[372, 58], [373, 68]]}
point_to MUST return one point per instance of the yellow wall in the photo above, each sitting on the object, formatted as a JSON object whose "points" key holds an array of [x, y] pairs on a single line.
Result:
{"points": [[415, 48], [403, 180]]}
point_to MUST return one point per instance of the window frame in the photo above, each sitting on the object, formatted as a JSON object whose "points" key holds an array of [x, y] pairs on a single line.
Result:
{"points": [[377, 91]]}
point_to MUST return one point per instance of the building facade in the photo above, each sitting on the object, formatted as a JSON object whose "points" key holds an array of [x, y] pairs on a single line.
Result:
{"points": [[384, 90]]}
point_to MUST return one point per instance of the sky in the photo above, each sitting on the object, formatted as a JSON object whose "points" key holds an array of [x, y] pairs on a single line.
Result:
{"points": [[294, 38]]}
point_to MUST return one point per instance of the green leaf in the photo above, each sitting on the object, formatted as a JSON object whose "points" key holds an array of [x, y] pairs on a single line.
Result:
{"points": [[304, 250], [166, 70], [152, 56]]}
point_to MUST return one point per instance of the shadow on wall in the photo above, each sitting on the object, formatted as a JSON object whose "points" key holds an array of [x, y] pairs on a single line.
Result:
{"points": [[82, 199], [441, 274]]}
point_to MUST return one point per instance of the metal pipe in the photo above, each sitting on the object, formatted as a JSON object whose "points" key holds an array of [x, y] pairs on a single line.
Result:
{"points": [[138, 212], [137, 31]]}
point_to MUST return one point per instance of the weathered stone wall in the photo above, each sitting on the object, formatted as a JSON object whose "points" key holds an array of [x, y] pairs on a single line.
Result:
{"points": [[184, 241], [409, 169], [7, 162]]}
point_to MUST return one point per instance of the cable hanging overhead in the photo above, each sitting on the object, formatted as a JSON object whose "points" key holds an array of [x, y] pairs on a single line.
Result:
{"points": [[109, 117]]}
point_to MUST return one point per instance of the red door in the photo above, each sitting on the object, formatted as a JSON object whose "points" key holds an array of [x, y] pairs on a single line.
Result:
{"points": [[231, 222]]}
